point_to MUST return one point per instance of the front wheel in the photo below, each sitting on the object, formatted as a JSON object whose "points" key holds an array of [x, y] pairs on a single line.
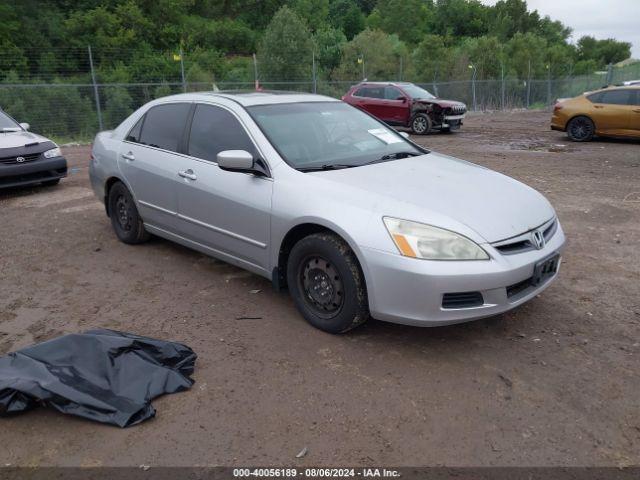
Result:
{"points": [[125, 219], [580, 129], [327, 284], [421, 124]]}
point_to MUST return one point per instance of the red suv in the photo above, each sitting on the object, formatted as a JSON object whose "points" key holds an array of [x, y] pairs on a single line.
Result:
{"points": [[406, 105]]}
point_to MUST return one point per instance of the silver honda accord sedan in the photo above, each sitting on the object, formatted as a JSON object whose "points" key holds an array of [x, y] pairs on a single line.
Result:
{"points": [[315, 195]]}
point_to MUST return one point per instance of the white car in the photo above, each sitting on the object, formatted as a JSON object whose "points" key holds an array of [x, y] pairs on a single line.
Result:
{"points": [[27, 158], [320, 197]]}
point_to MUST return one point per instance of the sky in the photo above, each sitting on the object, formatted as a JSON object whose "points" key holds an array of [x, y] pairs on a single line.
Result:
{"points": [[619, 19]]}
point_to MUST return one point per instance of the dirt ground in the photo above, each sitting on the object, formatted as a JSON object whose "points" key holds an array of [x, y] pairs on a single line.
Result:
{"points": [[555, 382]]}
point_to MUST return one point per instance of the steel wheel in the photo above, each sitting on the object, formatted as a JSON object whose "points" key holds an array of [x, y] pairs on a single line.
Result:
{"points": [[123, 213], [580, 129], [322, 286]]}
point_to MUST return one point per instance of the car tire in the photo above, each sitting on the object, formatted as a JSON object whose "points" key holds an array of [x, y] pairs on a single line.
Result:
{"points": [[580, 129], [327, 284], [51, 183], [421, 124], [125, 219]]}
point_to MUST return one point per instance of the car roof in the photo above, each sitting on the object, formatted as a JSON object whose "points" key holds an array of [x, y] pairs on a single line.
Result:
{"points": [[251, 98], [399, 84]]}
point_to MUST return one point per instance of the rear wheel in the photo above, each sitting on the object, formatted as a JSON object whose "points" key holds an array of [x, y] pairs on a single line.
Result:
{"points": [[125, 219], [421, 124], [580, 129], [327, 284]]}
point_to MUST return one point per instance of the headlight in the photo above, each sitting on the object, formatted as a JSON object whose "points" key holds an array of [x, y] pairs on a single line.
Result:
{"points": [[54, 152], [418, 240]]}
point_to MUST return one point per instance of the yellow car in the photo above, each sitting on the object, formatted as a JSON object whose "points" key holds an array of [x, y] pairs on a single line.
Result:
{"points": [[611, 112]]}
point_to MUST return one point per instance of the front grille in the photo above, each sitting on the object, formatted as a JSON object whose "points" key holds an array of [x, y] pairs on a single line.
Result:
{"points": [[462, 300], [456, 110], [14, 160], [522, 243]]}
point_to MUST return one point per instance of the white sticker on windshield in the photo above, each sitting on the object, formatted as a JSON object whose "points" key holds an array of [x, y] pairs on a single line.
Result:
{"points": [[385, 135]]}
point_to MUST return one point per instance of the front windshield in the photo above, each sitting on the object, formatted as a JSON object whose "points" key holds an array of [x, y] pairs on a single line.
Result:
{"points": [[328, 134], [416, 92], [7, 123]]}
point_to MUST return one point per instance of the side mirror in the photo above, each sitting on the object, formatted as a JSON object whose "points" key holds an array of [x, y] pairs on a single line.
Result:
{"points": [[240, 161], [402, 99], [25, 126]]}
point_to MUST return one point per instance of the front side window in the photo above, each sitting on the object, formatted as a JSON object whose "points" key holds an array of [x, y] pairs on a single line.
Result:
{"points": [[314, 134], [417, 93], [163, 126], [392, 93], [616, 97], [214, 130], [7, 123]]}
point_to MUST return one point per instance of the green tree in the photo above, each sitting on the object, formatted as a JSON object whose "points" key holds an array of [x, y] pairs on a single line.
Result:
{"points": [[378, 52], [347, 16], [285, 52], [314, 12], [329, 43], [409, 19]]}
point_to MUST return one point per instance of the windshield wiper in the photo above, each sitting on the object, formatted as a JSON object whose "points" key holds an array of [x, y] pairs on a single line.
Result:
{"points": [[394, 156], [327, 166]]}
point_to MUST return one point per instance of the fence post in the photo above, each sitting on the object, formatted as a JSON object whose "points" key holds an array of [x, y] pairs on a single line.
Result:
{"points": [[549, 84], [313, 71], [96, 94], [609, 74], [501, 86], [529, 85], [255, 72], [184, 83]]}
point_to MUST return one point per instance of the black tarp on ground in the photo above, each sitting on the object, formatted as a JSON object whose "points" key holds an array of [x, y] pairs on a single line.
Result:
{"points": [[102, 375]]}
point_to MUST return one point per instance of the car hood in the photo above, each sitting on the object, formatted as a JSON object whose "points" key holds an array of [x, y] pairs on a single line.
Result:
{"points": [[445, 192], [441, 102], [20, 139]]}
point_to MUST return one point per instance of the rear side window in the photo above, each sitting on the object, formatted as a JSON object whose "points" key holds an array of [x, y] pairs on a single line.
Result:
{"points": [[616, 97], [134, 133], [214, 130], [163, 126], [595, 97], [370, 92]]}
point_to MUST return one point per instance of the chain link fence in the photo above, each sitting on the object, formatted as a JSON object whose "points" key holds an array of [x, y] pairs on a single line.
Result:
{"points": [[66, 95]]}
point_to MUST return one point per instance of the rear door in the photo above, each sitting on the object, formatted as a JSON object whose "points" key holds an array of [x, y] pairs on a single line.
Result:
{"points": [[147, 160], [613, 110], [635, 112], [228, 212], [371, 99]]}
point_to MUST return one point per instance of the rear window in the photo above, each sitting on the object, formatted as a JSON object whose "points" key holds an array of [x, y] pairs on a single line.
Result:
{"points": [[163, 126]]}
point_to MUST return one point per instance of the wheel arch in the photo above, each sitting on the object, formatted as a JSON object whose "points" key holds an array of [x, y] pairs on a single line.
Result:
{"points": [[576, 115], [108, 184], [300, 231]]}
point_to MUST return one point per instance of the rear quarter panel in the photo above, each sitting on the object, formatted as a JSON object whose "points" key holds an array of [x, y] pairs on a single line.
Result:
{"points": [[104, 162]]}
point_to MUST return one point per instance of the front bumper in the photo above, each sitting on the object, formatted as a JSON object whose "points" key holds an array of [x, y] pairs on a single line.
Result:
{"points": [[37, 171], [410, 291]]}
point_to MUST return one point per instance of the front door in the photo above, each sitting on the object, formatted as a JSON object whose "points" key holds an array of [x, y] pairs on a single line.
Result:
{"points": [[228, 212], [613, 112], [147, 162]]}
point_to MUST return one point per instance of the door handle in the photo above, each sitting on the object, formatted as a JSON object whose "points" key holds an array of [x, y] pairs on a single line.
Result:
{"points": [[128, 156], [598, 106], [188, 174]]}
